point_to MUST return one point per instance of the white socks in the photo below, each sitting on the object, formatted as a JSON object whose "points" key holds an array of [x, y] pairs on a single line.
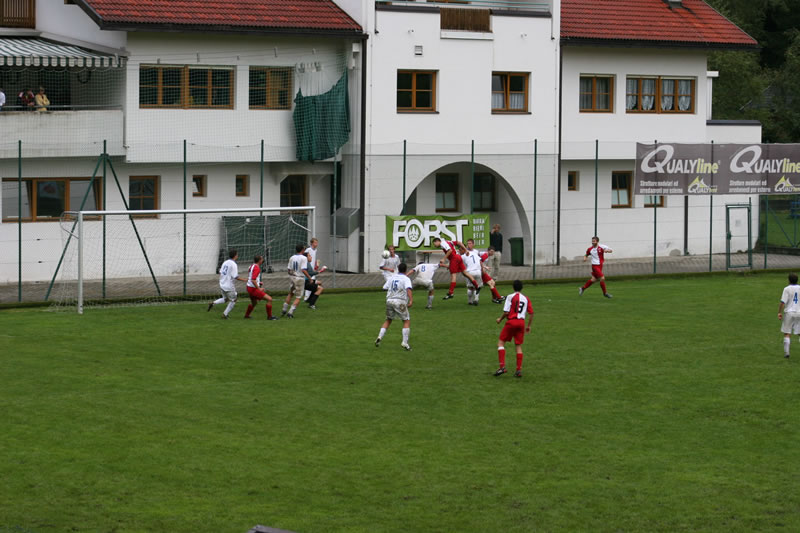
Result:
{"points": [[406, 332], [229, 308], [787, 341], [382, 333]]}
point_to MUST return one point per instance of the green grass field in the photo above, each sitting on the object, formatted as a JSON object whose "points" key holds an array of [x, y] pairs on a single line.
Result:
{"points": [[668, 408]]}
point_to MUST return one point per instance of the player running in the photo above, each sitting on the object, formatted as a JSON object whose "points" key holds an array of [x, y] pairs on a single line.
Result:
{"points": [[398, 299], [789, 312], [298, 274], [456, 265], [516, 308], [228, 272], [596, 251], [255, 291], [424, 278]]}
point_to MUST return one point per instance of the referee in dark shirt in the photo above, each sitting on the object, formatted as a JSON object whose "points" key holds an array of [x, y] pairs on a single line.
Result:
{"points": [[496, 242]]}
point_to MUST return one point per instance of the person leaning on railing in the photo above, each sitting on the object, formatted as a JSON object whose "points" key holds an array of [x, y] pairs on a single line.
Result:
{"points": [[41, 100]]}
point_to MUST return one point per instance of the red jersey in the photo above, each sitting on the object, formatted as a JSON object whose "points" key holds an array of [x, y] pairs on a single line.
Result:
{"points": [[484, 257], [254, 278], [517, 306], [597, 253], [449, 245]]}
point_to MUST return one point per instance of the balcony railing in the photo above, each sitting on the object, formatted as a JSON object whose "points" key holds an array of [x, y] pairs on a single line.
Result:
{"points": [[516, 5], [17, 13]]}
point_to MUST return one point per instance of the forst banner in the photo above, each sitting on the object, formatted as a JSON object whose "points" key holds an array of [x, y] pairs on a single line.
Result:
{"points": [[697, 169], [416, 232]]}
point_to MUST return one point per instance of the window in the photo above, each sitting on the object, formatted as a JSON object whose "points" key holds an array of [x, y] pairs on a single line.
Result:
{"points": [[573, 177], [271, 87], [483, 192], [242, 185], [45, 199], [446, 192], [143, 192], [596, 93], [659, 95], [416, 91], [198, 185], [653, 201], [185, 87], [509, 92], [621, 189], [293, 191]]}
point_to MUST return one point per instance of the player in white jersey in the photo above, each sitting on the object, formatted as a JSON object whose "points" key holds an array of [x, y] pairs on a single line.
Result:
{"points": [[388, 266], [423, 277], [789, 312], [472, 261], [298, 274], [313, 263], [228, 272], [398, 299]]}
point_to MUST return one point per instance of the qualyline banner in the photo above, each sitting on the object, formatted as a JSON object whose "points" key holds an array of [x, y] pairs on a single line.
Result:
{"points": [[415, 232], [692, 169]]}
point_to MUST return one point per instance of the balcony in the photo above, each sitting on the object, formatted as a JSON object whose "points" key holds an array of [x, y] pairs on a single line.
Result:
{"points": [[17, 13], [495, 6]]}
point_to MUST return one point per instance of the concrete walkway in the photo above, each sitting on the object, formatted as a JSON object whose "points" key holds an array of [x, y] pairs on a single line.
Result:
{"points": [[207, 284]]}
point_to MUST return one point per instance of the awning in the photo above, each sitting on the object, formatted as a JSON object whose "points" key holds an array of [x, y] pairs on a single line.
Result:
{"points": [[27, 52]]}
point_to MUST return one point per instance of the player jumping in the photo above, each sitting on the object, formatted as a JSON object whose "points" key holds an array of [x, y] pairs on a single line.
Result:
{"points": [[455, 265]]}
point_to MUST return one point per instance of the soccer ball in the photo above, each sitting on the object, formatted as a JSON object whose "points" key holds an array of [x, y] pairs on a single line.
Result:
{"points": [[385, 254]]}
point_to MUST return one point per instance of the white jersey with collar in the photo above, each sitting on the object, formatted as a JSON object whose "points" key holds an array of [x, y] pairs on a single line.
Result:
{"points": [[228, 272], [791, 299], [396, 287]]}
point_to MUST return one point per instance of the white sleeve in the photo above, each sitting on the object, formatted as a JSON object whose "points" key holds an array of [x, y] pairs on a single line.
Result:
{"points": [[507, 303], [387, 284]]}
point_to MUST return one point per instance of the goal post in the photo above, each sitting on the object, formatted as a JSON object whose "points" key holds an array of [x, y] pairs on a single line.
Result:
{"points": [[151, 256]]}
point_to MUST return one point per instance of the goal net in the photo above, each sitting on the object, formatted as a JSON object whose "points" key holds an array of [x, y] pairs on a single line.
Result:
{"points": [[145, 257]]}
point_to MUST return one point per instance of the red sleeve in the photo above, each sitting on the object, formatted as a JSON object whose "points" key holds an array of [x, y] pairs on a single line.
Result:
{"points": [[484, 257], [589, 250], [254, 272], [530, 308]]}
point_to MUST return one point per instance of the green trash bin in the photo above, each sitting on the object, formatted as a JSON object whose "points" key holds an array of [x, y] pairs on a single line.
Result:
{"points": [[517, 251]]}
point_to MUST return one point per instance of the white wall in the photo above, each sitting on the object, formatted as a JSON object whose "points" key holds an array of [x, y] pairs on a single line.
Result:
{"points": [[57, 18]]}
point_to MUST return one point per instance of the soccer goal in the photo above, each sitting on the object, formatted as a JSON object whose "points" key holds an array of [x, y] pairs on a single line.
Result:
{"points": [[142, 257]]}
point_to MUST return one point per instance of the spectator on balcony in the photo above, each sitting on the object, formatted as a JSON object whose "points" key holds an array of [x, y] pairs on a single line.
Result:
{"points": [[41, 100], [27, 100], [2, 98]]}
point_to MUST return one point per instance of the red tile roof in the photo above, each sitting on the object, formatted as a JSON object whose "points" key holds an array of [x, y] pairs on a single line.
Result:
{"points": [[238, 15], [694, 23]]}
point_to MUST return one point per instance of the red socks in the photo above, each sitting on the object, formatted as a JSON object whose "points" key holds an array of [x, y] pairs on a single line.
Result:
{"points": [[603, 286], [495, 294], [452, 288], [587, 284], [249, 310], [519, 361], [269, 310], [501, 357]]}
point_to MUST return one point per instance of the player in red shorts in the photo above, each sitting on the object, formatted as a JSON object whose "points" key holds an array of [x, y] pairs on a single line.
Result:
{"points": [[254, 289], [596, 251], [455, 264], [486, 278], [516, 308]]}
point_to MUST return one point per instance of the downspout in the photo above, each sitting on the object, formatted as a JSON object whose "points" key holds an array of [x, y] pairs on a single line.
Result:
{"points": [[558, 166], [363, 157]]}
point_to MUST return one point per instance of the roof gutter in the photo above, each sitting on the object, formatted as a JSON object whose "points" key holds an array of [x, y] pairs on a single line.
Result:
{"points": [[634, 43]]}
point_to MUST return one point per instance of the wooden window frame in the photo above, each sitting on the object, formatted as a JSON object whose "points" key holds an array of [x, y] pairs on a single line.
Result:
{"points": [[271, 92], [507, 92], [201, 182], [304, 192], [33, 198], [155, 197], [186, 100], [576, 179], [414, 91], [652, 204], [245, 179], [493, 206], [659, 93], [448, 175], [594, 93], [629, 175]]}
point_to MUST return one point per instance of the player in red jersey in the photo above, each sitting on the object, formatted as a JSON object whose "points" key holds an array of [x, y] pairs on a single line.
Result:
{"points": [[516, 308], [254, 289], [455, 264], [596, 251], [485, 277]]}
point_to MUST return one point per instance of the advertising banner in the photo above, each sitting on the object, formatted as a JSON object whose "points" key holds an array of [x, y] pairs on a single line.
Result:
{"points": [[415, 232], [692, 169]]}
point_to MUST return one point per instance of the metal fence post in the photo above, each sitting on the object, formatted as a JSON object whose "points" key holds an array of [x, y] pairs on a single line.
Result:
{"points": [[535, 175], [19, 218]]}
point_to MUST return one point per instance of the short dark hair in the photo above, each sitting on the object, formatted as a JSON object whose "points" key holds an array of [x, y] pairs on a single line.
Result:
{"points": [[402, 268], [492, 248], [517, 285], [299, 248], [793, 278], [232, 254], [436, 239], [596, 237], [257, 258]]}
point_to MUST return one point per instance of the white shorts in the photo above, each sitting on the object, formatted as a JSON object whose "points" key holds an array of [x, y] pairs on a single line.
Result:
{"points": [[230, 296], [425, 284], [396, 310], [791, 323], [298, 285]]}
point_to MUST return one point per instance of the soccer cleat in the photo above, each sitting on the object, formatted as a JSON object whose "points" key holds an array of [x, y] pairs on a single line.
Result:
{"points": [[478, 289], [580, 291], [786, 356], [428, 307], [518, 374], [500, 371], [272, 318], [283, 313], [290, 315], [447, 297], [497, 300], [210, 306], [406, 346], [608, 295], [312, 306], [224, 316], [378, 342], [248, 317]]}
